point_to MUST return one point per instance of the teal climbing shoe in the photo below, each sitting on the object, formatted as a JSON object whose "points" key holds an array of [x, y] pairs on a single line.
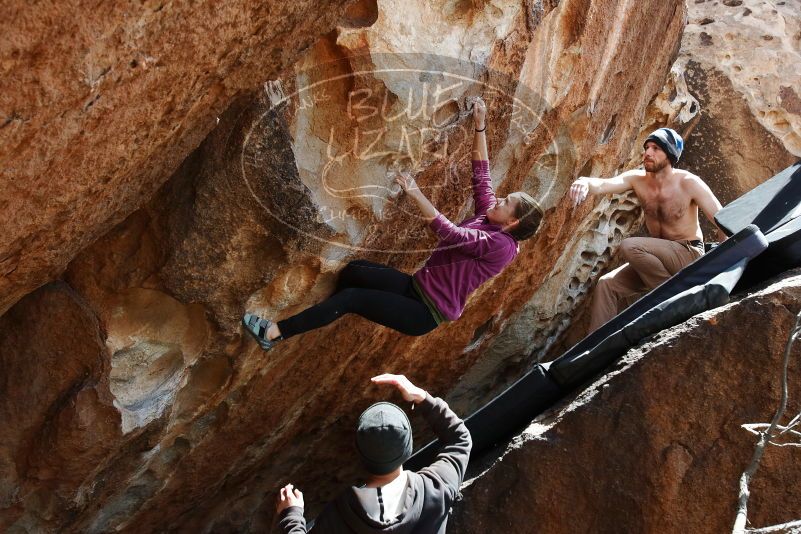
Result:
{"points": [[257, 327]]}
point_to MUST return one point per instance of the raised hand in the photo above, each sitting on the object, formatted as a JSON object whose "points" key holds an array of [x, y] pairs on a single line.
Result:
{"points": [[288, 496], [409, 391], [579, 191], [479, 113]]}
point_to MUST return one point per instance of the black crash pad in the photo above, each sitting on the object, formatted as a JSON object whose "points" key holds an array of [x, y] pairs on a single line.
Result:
{"points": [[496, 420], [578, 369], [769, 205], [775, 207], [783, 254]]}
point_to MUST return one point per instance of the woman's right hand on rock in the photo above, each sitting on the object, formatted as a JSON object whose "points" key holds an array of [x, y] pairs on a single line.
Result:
{"points": [[406, 181]]}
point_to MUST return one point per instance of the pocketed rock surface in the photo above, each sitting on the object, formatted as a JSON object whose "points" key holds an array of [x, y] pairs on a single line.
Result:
{"points": [[658, 444], [756, 48]]}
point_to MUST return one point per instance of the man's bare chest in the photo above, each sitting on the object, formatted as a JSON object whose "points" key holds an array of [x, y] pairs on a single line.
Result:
{"points": [[666, 205]]}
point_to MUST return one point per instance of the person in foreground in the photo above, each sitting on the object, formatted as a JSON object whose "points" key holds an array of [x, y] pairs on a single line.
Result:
{"points": [[392, 499], [670, 199], [466, 256]]}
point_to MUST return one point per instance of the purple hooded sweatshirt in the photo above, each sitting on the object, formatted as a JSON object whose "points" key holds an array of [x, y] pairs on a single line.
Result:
{"points": [[467, 255]]}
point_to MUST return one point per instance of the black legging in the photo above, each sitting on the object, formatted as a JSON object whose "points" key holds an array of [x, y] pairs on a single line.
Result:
{"points": [[376, 292]]}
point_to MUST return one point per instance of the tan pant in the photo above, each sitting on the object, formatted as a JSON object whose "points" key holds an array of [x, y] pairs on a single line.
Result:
{"points": [[651, 261]]}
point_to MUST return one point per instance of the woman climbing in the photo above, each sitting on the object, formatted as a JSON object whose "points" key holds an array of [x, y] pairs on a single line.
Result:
{"points": [[466, 256]]}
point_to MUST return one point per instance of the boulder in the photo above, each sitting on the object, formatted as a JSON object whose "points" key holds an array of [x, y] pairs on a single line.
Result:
{"points": [[59, 422], [658, 444]]}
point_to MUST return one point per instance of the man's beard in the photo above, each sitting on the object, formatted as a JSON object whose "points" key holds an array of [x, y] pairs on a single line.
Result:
{"points": [[652, 166]]}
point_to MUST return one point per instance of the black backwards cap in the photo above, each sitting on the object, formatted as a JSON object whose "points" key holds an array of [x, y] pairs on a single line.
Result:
{"points": [[383, 438]]}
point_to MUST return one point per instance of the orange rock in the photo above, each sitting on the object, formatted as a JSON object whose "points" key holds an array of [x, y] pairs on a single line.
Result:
{"points": [[101, 104]]}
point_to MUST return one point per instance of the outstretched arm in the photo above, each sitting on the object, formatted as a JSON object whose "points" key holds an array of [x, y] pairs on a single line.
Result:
{"points": [[473, 241], [408, 391], [586, 185], [409, 187], [483, 195]]}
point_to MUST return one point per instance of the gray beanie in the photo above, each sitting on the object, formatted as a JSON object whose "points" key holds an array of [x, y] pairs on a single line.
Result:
{"points": [[668, 140], [383, 438]]}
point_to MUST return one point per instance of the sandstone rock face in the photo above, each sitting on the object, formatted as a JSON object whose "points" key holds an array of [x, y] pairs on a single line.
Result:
{"points": [[657, 445], [755, 46], [294, 181], [59, 422], [99, 104]]}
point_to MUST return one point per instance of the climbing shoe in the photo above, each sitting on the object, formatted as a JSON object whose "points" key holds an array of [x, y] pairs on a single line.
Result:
{"points": [[257, 327]]}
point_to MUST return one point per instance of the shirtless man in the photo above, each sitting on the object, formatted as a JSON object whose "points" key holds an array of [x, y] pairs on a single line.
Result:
{"points": [[670, 199]]}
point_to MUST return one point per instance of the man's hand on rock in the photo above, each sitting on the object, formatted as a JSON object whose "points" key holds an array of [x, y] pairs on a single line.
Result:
{"points": [[287, 497], [409, 391]]}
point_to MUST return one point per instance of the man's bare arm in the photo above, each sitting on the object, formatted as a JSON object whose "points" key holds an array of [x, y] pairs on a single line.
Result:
{"points": [[586, 185], [707, 202]]}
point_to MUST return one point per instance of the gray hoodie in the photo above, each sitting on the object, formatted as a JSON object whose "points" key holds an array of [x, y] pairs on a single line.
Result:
{"points": [[429, 492]]}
